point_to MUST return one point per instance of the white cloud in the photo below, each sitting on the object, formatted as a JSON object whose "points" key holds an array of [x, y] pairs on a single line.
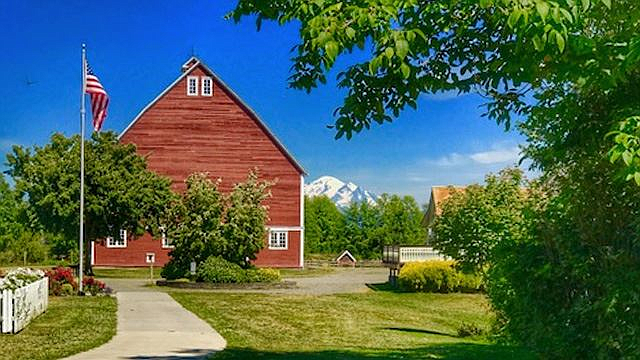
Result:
{"points": [[497, 156]]}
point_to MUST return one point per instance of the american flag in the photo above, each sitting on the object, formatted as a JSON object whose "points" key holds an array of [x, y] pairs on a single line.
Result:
{"points": [[99, 98]]}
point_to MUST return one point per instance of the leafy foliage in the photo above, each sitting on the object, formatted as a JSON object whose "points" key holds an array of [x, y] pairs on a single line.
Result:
{"points": [[475, 219], [120, 192], [245, 219], [362, 235], [400, 221], [362, 228], [204, 223], [195, 225], [61, 281], [218, 270], [323, 225], [503, 49], [215, 269], [440, 276]]}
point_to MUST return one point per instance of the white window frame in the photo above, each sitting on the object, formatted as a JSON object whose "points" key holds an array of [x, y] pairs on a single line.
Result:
{"points": [[210, 81], [277, 245], [189, 79], [163, 237], [111, 243]]}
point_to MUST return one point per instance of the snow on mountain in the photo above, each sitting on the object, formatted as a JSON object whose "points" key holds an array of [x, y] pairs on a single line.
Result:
{"points": [[341, 193]]}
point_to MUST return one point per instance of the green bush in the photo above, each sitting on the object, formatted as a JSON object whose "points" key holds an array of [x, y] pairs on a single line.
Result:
{"points": [[429, 276], [439, 276], [218, 270], [173, 271], [470, 283], [67, 290], [470, 329], [263, 275]]}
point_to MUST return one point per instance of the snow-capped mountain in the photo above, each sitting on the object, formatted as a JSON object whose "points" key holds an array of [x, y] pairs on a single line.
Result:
{"points": [[341, 193]]}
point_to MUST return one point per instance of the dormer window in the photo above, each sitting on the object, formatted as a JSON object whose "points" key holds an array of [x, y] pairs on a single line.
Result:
{"points": [[192, 86], [207, 88]]}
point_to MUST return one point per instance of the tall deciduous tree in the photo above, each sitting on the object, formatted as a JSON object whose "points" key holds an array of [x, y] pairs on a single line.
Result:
{"points": [[474, 220], [203, 223], [361, 236], [400, 221], [194, 225], [246, 218], [120, 192], [323, 225]]}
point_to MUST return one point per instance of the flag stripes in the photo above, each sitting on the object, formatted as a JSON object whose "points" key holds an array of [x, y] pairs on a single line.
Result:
{"points": [[99, 98]]}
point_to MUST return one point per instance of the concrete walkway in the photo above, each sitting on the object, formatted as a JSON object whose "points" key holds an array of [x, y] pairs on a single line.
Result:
{"points": [[151, 325]]}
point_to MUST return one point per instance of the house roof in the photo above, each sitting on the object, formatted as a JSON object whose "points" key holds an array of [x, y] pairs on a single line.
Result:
{"points": [[347, 254], [189, 66], [441, 193]]}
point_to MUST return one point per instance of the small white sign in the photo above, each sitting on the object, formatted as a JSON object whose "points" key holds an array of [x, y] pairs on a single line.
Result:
{"points": [[192, 267], [150, 258]]}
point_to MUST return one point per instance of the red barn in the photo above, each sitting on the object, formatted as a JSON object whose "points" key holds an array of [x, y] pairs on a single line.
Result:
{"points": [[198, 124]]}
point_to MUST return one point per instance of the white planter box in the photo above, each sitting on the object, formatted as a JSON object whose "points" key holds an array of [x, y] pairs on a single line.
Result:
{"points": [[19, 306]]}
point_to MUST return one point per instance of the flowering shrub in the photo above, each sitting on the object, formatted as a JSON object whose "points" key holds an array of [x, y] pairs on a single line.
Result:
{"points": [[20, 277], [93, 286], [58, 277]]}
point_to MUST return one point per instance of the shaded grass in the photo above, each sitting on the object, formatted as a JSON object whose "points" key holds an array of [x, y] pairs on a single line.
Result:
{"points": [[70, 325], [374, 325], [126, 273]]}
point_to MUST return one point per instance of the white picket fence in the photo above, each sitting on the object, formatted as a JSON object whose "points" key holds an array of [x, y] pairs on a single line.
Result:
{"points": [[19, 306]]}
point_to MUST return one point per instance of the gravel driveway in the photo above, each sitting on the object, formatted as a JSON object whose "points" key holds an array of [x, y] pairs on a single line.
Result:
{"points": [[342, 280]]}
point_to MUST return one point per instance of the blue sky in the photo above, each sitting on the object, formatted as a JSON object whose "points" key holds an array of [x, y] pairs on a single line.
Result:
{"points": [[136, 48]]}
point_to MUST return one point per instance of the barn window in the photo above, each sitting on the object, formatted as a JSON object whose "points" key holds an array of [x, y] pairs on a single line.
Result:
{"points": [[119, 242], [192, 86], [166, 242], [278, 240], [206, 86]]}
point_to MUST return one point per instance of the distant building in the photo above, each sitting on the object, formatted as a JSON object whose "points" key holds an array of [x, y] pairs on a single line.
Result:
{"points": [[346, 259], [198, 124], [438, 195]]}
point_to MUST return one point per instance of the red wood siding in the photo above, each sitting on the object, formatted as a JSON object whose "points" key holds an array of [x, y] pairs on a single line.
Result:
{"points": [[182, 134], [289, 258], [133, 255]]}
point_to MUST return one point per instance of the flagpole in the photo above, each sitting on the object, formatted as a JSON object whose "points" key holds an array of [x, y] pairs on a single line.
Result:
{"points": [[82, 126]]}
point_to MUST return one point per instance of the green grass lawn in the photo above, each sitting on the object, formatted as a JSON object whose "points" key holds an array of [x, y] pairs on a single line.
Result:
{"points": [[126, 273], [70, 325], [373, 325]]}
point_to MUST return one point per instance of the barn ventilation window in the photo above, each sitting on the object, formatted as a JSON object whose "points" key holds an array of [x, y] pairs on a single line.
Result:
{"points": [[207, 89], [192, 86], [278, 240], [118, 242]]}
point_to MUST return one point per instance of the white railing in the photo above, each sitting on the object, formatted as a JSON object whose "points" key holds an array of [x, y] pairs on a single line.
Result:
{"points": [[397, 255], [19, 306], [419, 253]]}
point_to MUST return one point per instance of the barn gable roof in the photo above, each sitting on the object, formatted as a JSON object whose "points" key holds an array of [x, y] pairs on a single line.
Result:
{"points": [[187, 68]]}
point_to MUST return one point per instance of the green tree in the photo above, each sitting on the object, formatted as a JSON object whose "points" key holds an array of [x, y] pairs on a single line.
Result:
{"points": [[323, 224], [246, 218], [10, 205], [474, 221], [566, 73], [120, 192], [361, 236], [204, 223], [400, 222], [504, 49], [195, 225]]}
